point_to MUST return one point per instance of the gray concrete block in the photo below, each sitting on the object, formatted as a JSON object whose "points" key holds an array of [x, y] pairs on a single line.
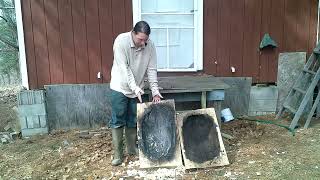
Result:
{"points": [[263, 99], [23, 122], [33, 109], [263, 105], [43, 120], [270, 92], [33, 122], [32, 112], [31, 97], [31, 132], [290, 66]]}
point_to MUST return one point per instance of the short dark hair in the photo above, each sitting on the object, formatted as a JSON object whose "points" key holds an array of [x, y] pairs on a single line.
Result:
{"points": [[142, 27]]}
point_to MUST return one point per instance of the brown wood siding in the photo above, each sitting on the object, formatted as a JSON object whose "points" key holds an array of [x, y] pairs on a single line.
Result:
{"points": [[70, 41], [233, 30], [29, 44], [80, 41]]}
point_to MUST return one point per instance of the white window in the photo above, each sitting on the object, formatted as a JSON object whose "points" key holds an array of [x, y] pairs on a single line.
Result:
{"points": [[176, 30]]}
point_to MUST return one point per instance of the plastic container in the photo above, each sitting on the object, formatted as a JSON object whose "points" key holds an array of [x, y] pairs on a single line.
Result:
{"points": [[226, 115]]}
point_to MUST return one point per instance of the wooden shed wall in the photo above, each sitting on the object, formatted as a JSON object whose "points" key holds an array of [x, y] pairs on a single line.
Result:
{"points": [[70, 41]]}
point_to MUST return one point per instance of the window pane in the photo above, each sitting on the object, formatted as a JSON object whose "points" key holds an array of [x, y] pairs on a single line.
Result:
{"points": [[159, 38], [167, 6], [181, 48], [169, 20]]}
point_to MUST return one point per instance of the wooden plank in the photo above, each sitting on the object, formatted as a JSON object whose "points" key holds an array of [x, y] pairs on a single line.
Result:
{"points": [[204, 99], [210, 36], [53, 35], [128, 14], [236, 36], [40, 42], [29, 41], [186, 96], [290, 25], [266, 52], [191, 82], [105, 14], [311, 113], [276, 32], [67, 41], [312, 25], [223, 51], [145, 162], [217, 108], [93, 37], [251, 39], [221, 159], [118, 18], [305, 100], [303, 13], [80, 41]]}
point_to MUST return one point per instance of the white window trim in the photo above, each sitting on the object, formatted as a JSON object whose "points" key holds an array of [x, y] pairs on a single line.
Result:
{"points": [[22, 51], [198, 39]]}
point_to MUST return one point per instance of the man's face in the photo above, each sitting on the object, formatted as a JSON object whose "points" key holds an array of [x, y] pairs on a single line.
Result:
{"points": [[139, 39]]}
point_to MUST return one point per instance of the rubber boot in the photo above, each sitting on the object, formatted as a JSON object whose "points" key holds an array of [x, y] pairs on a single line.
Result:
{"points": [[117, 141], [131, 137]]}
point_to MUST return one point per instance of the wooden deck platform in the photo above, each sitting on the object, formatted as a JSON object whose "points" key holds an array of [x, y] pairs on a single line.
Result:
{"points": [[193, 88]]}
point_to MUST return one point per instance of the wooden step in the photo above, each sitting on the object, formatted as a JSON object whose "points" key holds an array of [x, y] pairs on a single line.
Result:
{"points": [[316, 51], [299, 90], [308, 71], [291, 109]]}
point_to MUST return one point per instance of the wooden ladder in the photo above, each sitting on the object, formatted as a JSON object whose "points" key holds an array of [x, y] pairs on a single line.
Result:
{"points": [[302, 91]]}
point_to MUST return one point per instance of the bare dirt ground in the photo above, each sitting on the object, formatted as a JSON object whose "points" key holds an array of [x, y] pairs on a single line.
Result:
{"points": [[258, 151]]}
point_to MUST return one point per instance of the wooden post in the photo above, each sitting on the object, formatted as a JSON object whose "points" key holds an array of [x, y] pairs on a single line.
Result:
{"points": [[204, 99], [217, 108]]}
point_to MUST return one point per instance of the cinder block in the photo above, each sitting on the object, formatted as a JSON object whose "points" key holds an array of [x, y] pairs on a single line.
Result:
{"points": [[263, 99], [33, 109], [263, 105], [30, 132], [31, 97], [23, 122], [43, 121], [32, 112], [270, 92]]}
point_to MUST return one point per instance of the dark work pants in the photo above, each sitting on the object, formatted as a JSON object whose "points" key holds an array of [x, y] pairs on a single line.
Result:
{"points": [[124, 111]]}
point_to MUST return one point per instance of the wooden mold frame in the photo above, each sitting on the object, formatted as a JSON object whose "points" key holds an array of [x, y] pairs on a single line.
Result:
{"points": [[222, 159], [144, 161]]}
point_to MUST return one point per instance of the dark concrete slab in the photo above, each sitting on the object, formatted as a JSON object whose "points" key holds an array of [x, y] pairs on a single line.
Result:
{"points": [[78, 106], [289, 67], [237, 96]]}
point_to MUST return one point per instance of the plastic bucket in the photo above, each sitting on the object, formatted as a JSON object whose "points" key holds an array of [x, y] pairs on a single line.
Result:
{"points": [[226, 115]]}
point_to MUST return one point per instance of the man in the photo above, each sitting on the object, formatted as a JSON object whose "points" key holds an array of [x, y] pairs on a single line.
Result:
{"points": [[134, 57]]}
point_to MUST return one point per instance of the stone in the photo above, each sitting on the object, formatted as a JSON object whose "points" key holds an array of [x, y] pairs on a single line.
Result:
{"points": [[85, 134], [14, 135], [4, 140], [8, 127], [289, 67]]}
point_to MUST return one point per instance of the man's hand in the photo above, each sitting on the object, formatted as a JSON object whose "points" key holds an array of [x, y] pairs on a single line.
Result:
{"points": [[139, 92], [156, 99]]}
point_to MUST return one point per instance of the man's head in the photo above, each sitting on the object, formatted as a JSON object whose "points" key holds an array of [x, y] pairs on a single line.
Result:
{"points": [[140, 33]]}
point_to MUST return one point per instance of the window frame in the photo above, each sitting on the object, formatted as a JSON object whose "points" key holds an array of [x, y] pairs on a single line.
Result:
{"points": [[198, 34]]}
